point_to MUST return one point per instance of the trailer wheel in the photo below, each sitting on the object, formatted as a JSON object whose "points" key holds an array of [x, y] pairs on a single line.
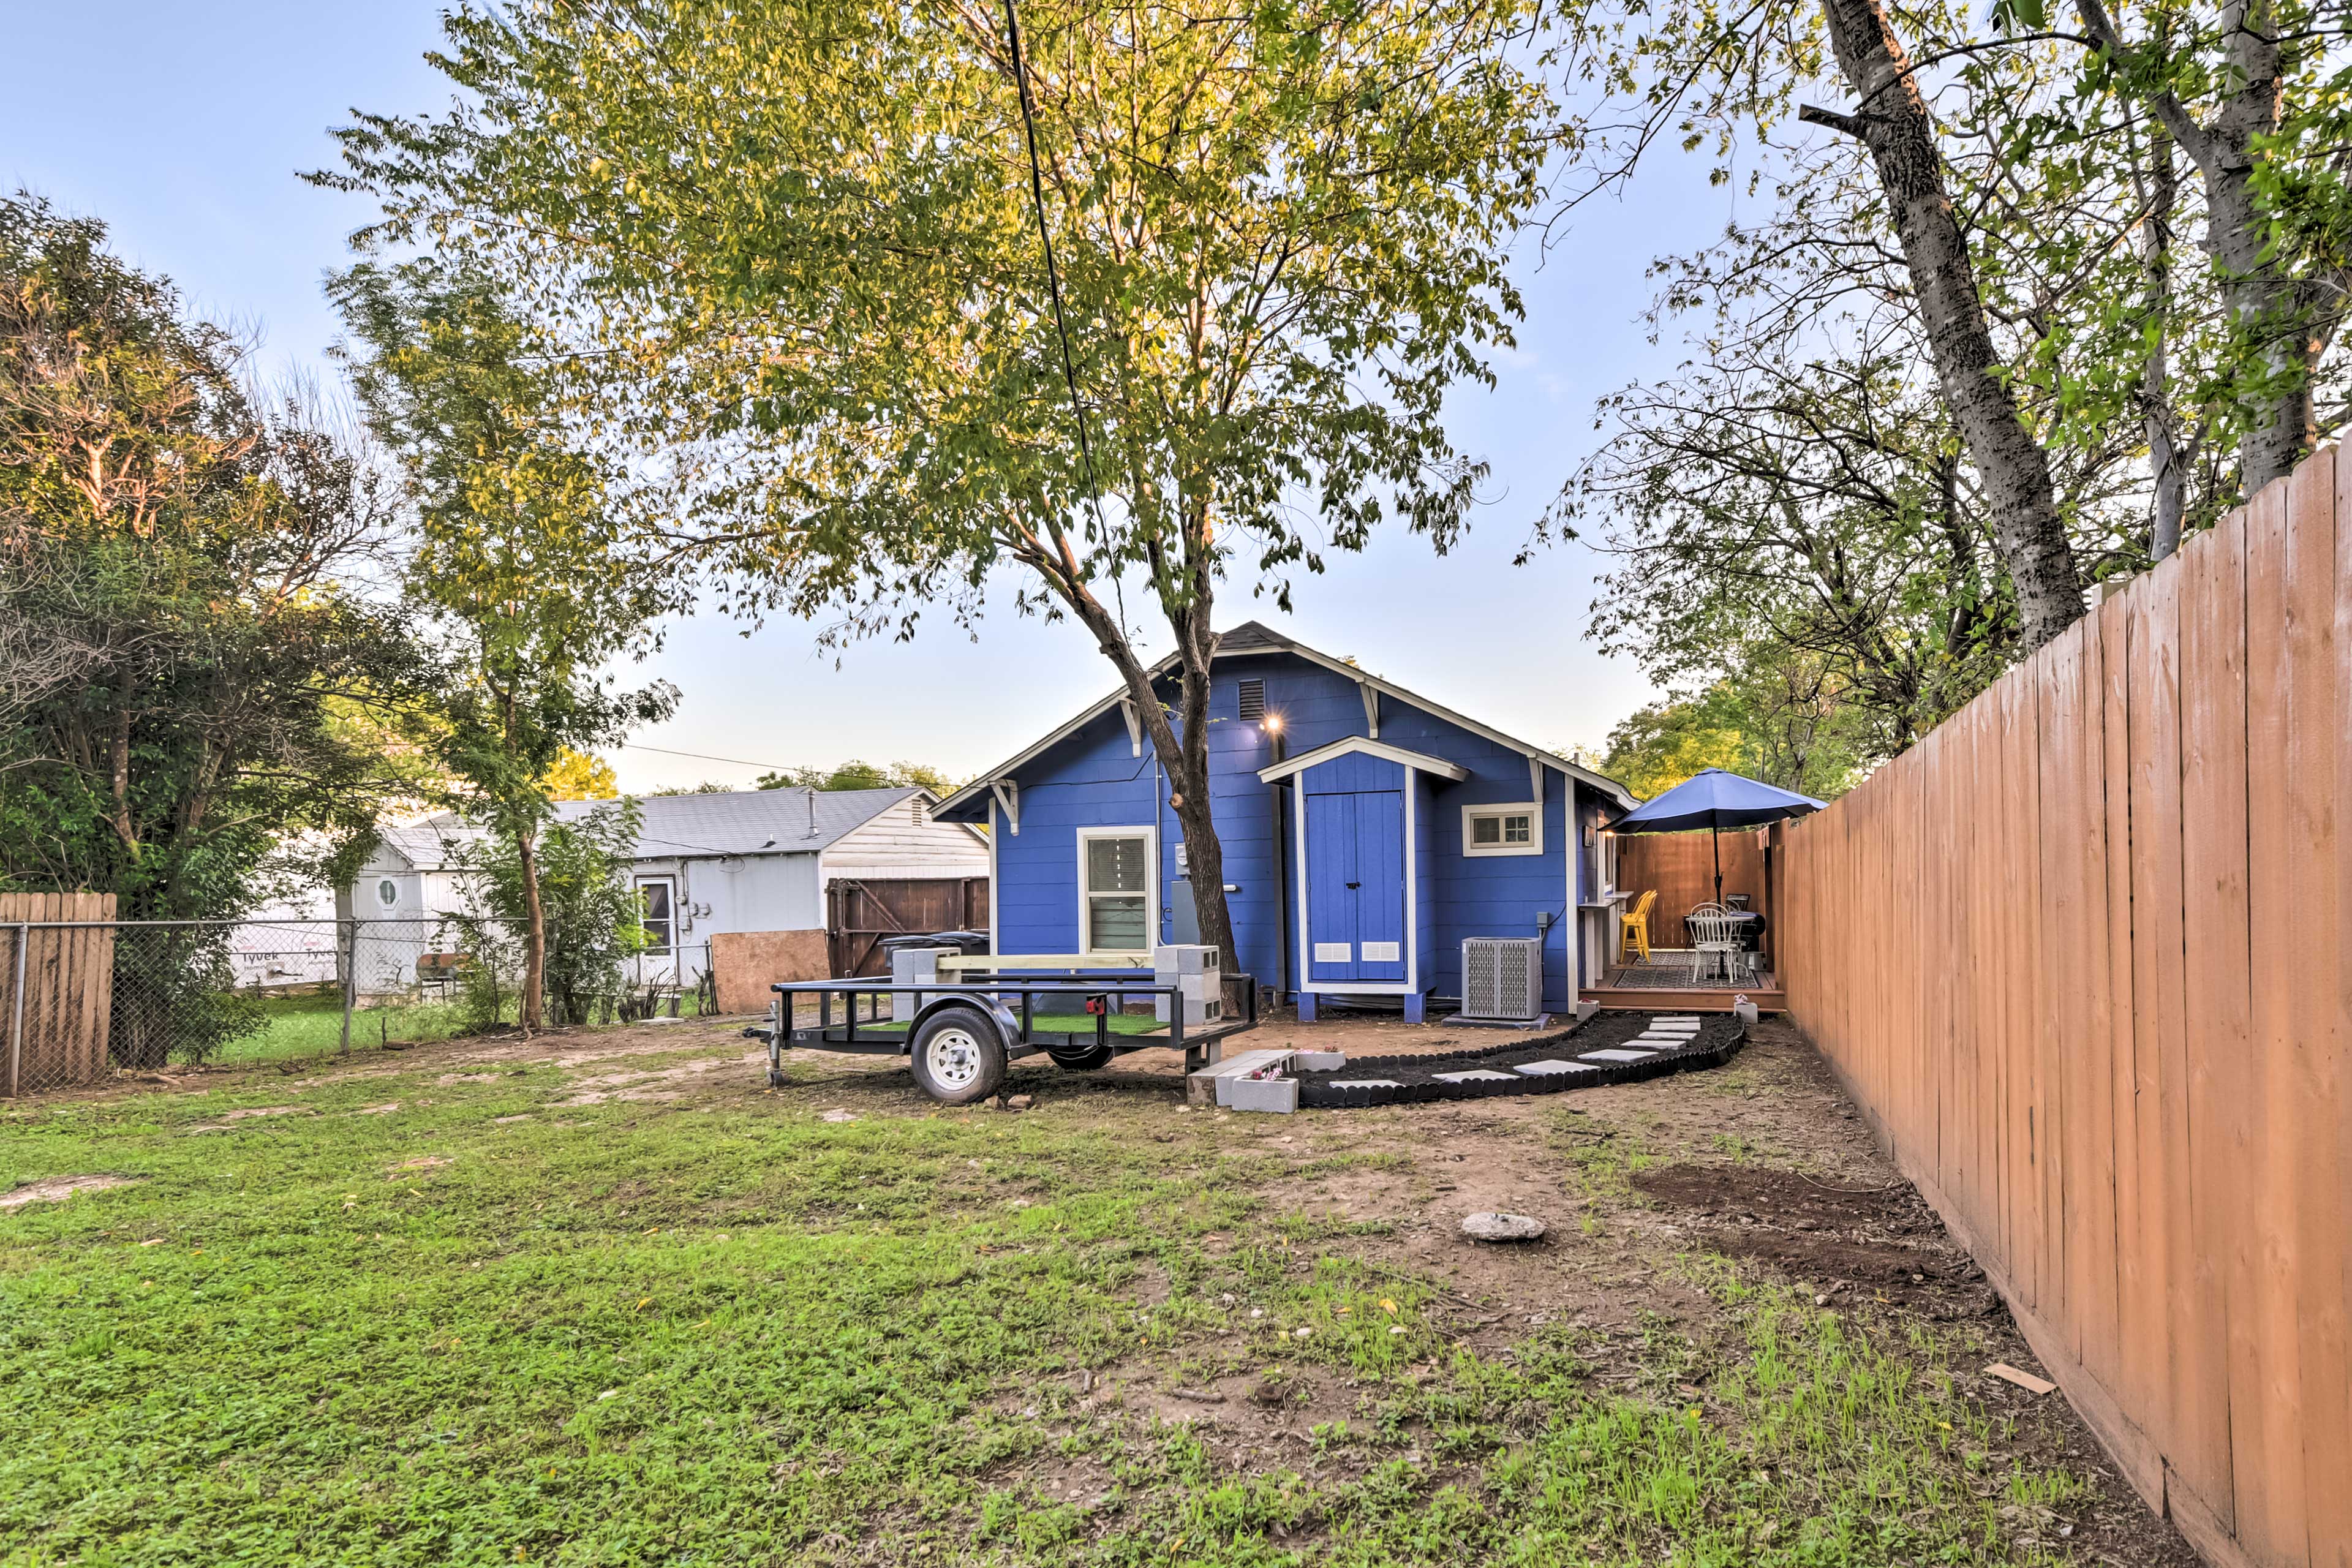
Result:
{"points": [[957, 1057], [1085, 1058]]}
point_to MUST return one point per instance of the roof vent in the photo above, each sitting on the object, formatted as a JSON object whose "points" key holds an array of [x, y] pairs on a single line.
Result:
{"points": [[1253, 699]]}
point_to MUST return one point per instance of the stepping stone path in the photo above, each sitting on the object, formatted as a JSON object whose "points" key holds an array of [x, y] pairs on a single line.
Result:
{"points": [[1553, 1069], [1502, 1227], [1473, 1075]]}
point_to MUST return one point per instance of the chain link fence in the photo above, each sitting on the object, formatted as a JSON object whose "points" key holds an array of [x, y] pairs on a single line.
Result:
{"points": [[83, 1001]]}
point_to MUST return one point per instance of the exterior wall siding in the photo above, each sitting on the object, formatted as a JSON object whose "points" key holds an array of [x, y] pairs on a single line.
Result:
{"points": [[1093, 779], [895, 843]]}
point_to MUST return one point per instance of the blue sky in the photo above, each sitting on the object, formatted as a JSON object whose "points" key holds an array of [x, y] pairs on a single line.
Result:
{"points": [[184, 127]]}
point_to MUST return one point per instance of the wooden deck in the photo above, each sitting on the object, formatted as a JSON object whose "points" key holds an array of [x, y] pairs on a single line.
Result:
{"points": [[1653, 988], [1707, 999]]}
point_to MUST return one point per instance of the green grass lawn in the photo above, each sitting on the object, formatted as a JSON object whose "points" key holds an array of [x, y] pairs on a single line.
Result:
{"points": [[508, 1321], [311, 1023]]}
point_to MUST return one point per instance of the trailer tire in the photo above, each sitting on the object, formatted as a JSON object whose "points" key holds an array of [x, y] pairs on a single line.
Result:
{"points": [[957, 1056], [1084, 1059]]}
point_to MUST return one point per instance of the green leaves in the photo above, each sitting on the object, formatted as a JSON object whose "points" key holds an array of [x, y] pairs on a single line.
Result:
{"points": [[800, 240]]}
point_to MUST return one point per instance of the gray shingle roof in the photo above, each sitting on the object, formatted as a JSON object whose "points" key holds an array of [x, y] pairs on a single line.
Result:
{"points": [[745, 822]]}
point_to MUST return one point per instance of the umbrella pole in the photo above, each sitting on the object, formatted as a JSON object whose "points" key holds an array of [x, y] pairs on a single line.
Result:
{"points": [[1715, 836]]}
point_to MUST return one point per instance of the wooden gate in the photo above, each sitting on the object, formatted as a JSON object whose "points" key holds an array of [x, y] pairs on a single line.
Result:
{"points": [[860, 911]]}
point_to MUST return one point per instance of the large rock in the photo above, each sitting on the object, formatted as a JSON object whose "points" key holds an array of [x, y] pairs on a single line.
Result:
{"points": [[1502, 1227]]}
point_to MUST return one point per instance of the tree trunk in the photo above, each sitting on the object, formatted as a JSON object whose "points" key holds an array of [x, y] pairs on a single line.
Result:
{"points": [[534, 940], [1181, 745], [2277, 313], [1893, 122], [2166, 462]]}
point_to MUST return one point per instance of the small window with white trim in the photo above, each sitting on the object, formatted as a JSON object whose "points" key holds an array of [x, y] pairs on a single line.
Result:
{"points": [[1515, 828], [1114, 889]]}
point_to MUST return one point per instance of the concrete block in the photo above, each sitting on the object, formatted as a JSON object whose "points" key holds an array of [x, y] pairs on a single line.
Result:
{"points": [[1278, 1094], [1319, 1061]]}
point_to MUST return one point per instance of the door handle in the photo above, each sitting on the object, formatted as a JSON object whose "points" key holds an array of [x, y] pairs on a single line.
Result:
{"points": [[1353, 886]]}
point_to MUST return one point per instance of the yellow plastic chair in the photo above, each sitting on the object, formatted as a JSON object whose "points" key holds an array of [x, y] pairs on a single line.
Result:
{"points": [[1633, 925]]}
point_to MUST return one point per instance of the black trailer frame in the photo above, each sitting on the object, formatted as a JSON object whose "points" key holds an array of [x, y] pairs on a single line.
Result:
{"points": [[1009, 1001]]}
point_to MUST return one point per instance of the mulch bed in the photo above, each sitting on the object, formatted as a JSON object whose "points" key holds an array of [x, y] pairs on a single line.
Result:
{"points": [[1417, 1079]]}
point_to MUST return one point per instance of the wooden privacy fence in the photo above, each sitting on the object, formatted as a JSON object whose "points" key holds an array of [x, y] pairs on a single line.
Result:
{"points": [[1681, 867], [57, 990], [2080, 955]]}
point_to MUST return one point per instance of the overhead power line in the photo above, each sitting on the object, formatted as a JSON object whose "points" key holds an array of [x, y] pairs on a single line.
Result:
{"points": [[704, 757], [1053, 272]]}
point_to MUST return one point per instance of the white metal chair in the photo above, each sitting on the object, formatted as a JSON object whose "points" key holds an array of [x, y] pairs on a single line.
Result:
{"points": [[1715, 942]]}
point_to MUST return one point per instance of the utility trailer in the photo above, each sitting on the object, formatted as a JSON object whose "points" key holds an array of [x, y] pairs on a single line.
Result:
{"points": [[961, 1034]]}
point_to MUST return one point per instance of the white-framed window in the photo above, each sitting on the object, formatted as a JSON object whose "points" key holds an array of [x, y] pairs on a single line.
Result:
{"points": [[1513, 828], [1118, 889], [660, 894], [387, 892]]}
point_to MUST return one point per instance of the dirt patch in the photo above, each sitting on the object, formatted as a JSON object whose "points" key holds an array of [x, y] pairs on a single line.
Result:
{"points": [[1882, 1240], [407, 1169], [248, 1112], [59, 1188]]}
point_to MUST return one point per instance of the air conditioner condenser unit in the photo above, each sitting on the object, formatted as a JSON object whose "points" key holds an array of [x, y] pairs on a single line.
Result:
{"points": [[1502, 979]]}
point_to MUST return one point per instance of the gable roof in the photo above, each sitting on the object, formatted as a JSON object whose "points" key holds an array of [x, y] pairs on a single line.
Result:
{"points": [[742, 822], [1253, 637]]}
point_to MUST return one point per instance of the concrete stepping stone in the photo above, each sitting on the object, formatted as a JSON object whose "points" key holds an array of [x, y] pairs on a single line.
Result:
{"points": [[1553, 1069], [1502, 1227], [1619, 1055], [1473, 1076]]}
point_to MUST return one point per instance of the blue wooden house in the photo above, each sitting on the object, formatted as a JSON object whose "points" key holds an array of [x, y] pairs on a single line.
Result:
{"points": [[1367, 833]]}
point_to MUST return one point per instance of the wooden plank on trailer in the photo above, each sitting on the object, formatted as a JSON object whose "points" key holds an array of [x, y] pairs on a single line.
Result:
{"points": [[2266, 1399], [2214, 981]]}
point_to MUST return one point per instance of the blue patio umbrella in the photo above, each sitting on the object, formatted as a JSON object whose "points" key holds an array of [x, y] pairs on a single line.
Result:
{"points": [[1716, 800]]}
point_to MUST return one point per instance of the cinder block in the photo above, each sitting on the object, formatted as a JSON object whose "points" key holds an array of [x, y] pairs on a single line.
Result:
{"points": [[1278, 1094]]}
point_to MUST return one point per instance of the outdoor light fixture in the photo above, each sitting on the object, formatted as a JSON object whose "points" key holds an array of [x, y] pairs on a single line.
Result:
{"points": [[1273, 723]]}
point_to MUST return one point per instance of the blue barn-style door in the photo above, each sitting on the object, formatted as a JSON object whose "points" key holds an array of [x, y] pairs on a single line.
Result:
{"points": [[1355, 887]]}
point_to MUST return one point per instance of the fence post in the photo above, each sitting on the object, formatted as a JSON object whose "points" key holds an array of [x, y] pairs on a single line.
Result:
{"points": [[350, 978], [16, 1009]]}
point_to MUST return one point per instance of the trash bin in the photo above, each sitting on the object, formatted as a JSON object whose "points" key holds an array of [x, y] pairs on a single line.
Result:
{"points": [[963, 942]]}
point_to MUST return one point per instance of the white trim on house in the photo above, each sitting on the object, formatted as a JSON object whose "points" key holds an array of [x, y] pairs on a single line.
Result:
{"points": [[995, 896], [1410, 984], [1371, 686], [1150, 834], [1413, 762], [1532, 845]]}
